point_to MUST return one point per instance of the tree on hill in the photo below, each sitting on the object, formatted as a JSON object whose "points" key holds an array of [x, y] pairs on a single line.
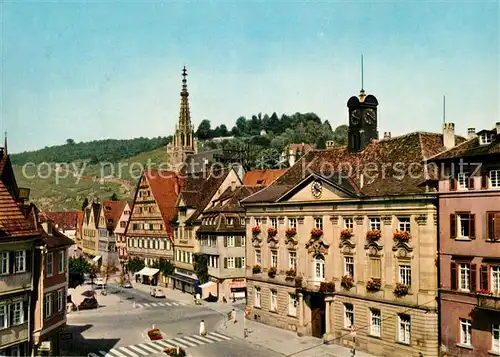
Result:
{"points": [[70, 142], [204, 130]]}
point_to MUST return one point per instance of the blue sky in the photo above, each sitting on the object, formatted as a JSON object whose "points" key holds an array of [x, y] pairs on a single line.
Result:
{"points": [[92, 70]]}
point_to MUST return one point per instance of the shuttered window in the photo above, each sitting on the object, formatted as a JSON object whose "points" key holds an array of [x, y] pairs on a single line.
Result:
{"points": [[493, 224]]}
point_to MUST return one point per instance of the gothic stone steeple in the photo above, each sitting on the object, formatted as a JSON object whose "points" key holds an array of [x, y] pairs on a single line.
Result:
{"points": [[362, 121], [183, 143]]}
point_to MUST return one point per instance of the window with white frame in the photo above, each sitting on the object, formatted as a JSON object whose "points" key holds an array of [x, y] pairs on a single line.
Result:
{"points": [[62, 261], [348, 315], [404, 224], [465, 332], [4, 316], [464, 225], [375, 322], [230, 262], [17, 312], [230, 241], [257, 297], [292, 304], [404, 328], [375, 223], [318, 223], [48, 305], [494, 178], [60, 300], [292, 223], [319, 267], [348, 223], [349, 266], [258, 257], [258, 222], [464, 281], [495, 279], [50, 264], [274, 300], [463, 181], [495, 338], [20, 261], [485, 139], [405, 274], [274, 223], [4, 263], [292, 260], [274, 258]]}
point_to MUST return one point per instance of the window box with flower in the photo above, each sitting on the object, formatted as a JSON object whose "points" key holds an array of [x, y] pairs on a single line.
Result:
{"points": [[373, 234], [256, 269], [290, 274], [291, 232], [327, 287], [272, 232], [402, 236], [272, 272], [256, 230], [401, 289], [316, 233], [374, 284], [346, 234], [347, 282]]}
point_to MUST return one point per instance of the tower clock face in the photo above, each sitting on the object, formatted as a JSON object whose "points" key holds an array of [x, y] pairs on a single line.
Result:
{"points": [[316, 189], [369, 116], [355, 117]]}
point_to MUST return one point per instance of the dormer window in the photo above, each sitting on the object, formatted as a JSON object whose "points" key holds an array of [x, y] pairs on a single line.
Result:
{"points": [[485, 138]]}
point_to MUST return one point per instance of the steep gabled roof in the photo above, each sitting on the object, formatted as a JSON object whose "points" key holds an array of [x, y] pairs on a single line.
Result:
{"points": [[391, 167], [13, 222], [262, 177], [229, 201], [112, 212], [165, 187], [66, 220]]}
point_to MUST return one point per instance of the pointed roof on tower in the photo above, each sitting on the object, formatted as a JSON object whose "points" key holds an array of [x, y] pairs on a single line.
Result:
{"points": [[185, 115]]}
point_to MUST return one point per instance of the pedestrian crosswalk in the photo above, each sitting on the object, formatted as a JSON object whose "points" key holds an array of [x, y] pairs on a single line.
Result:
{"points": [[153, 347], [159, 304]]}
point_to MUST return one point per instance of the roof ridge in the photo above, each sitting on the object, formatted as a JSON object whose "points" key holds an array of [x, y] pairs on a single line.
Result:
{"points": [[445, 151]]}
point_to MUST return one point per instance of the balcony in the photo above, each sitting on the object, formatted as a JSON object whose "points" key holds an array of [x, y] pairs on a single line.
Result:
{"points": [[15, 282], [14, 334], [488, 301]]}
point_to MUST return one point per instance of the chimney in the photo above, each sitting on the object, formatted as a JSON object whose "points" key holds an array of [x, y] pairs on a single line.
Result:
{"points": [[471, 133], [387, 135], [497, 126], [448, 135], [330, 144], [291, 158]]}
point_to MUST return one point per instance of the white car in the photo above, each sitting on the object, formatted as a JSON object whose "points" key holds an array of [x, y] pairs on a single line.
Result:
{"points": [[157, 292]]}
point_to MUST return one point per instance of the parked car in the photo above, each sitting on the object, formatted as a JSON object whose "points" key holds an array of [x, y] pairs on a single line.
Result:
{"points": [[157, 293], [127, 285], [88, 303]]}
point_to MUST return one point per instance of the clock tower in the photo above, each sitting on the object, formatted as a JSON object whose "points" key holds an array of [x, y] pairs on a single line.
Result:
{"points": [[362, 121]]}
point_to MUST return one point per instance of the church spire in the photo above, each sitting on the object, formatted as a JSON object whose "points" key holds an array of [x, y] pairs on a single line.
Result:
{"points": [[185, 115], [5, 144]]}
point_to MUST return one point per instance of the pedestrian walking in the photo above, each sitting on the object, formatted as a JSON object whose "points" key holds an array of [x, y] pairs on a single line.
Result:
{"points": [[203, 330], [233, 316]]}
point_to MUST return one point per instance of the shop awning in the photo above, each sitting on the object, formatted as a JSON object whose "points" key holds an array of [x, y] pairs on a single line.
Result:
{"points": [[183, 278], [96, 258], [207, 285], [147, 271]]}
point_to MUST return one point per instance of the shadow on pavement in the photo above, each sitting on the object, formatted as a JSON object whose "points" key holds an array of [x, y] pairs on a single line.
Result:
{"points": [[73, 343]]}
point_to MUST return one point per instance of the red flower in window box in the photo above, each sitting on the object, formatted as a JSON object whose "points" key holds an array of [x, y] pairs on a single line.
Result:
{"points": [[373, 234], [402, 236], [346, 234], [347, 282], [374, 284], [291, 232], [256, 230], [272, 272], [401, 289], [272, 232], [327, 287], [256, 269], [485, 292], [290, 274], [316, 233]]}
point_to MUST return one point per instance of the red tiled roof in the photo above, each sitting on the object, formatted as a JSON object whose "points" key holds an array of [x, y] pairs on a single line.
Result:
{"points": [[112, 212], [304, 148], [79, 224], [470, 148], [391, 167], [13, 223], [262, 177], [165, 187], [66, 220]]}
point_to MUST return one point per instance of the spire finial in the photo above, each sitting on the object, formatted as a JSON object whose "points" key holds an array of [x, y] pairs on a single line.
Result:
{"points": [[362, 79], [184, 92], [5, 144]]}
